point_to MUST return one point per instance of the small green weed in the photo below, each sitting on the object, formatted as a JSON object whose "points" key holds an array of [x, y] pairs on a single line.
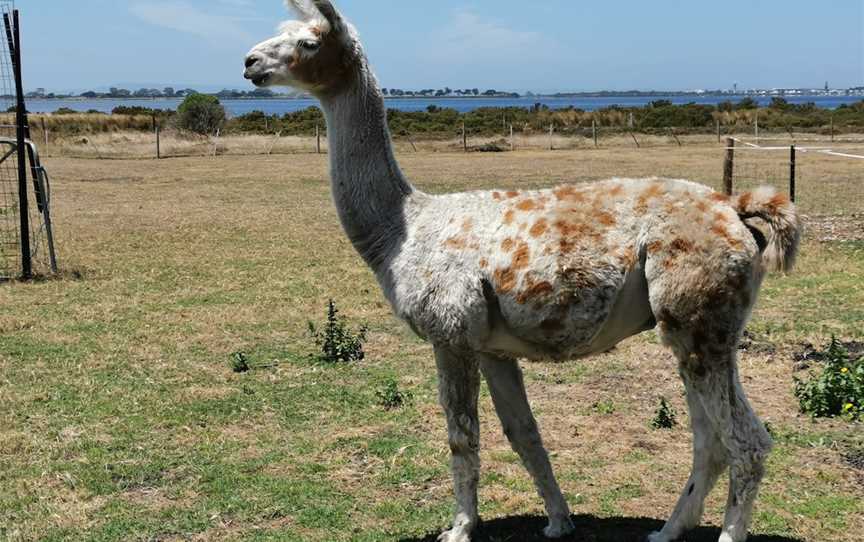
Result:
{"points": [[338, 344], [838, 390], [605, 407], [391, 397], [664, 417], [239, 362]]}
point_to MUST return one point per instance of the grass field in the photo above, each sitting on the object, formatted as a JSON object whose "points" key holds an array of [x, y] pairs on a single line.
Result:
{"points": [[121, 418]]}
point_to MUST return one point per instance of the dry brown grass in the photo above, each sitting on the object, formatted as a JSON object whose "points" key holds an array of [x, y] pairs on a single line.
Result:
{"points": [[187, 260]]}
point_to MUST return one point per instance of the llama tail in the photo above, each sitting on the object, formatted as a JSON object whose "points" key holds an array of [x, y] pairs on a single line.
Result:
{"points": [[780, 228]]}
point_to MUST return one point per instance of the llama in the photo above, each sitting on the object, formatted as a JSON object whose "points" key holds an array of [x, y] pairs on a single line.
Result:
{"points": [[490, 277]]}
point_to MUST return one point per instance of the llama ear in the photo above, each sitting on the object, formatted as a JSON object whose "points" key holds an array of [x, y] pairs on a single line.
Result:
{"points": [[326, 9], [303, 8]]}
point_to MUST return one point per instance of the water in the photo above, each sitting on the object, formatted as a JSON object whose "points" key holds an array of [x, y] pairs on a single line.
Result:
{"points": [[279, 106]]}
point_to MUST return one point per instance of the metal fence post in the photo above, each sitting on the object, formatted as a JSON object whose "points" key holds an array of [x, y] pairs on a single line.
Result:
{"points": [[729, 166], [792, 173]]}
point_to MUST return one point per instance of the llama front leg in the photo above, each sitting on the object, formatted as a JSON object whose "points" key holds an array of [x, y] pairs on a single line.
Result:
{"points": [[458, 387], [511, 403]]}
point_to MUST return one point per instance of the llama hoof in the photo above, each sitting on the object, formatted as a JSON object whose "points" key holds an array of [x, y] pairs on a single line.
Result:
{"points": [[454, 535], [558, 529], [658, 537]]}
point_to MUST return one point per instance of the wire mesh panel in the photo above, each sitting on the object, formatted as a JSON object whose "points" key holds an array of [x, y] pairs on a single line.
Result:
{"points": [[30, 184], [827, 183], [10, 237]]}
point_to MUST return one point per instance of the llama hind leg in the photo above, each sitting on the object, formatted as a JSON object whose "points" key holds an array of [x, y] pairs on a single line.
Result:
{"points": [[458, 388], [744, 438], [709, 461], [511, 403], [749, 444]]}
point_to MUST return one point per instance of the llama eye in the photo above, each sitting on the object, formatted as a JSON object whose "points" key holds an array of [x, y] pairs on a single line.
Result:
{"points": [[310, 45]]}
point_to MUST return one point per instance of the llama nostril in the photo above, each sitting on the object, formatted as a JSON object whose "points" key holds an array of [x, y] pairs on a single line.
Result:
{"points": [[251, 61]]}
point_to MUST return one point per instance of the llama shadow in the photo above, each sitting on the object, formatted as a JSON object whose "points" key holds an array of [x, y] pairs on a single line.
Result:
{"points": [[588, 529]]}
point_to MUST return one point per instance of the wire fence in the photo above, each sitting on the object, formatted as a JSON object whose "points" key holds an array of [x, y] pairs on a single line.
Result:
{"points": [[826, 182], [38, 225]]}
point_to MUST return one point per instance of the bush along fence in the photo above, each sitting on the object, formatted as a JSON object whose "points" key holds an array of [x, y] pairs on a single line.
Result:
{"points": [[658, 118]]}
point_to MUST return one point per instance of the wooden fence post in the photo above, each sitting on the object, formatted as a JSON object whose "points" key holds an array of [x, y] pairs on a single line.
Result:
{"points": [[551, 135], [317, 138], [158, 146], [792, 173], [719, 140], [729, 166], [512, 145], [45, 132], [594, 131], [464, 138], [756, 128], [832, 128]]}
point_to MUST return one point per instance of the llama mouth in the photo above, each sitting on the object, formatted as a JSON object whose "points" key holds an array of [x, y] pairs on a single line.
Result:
{"points": [[260, 80]]}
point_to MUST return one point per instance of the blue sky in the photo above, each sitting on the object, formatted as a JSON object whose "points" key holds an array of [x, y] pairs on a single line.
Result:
{"points": [[544, 45]]}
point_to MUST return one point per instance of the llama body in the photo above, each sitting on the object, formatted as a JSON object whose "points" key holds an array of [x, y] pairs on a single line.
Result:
{"points": [[559, 273], [491, 276]]}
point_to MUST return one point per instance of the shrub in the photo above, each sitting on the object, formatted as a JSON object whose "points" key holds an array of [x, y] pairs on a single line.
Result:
{"points": [[338, 344], [239, 362], [200, 113], [838, 390], [664, 417], [391, 397]]}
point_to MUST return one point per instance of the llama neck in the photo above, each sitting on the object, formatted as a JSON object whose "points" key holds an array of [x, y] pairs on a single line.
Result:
{"points": [[368, 187]]}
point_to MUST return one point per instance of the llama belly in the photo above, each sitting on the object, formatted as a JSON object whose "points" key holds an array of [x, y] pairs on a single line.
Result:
{"points": [[594, 321]]}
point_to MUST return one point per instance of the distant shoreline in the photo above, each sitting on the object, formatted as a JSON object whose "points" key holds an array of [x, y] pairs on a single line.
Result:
{"points": [[602, 94], [280, 105]]}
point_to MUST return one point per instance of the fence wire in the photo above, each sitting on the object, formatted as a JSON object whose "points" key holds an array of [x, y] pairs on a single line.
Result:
{"points": [[828, 184], [10, 220]]}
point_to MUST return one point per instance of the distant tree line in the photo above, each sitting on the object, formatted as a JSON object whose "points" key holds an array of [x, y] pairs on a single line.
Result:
{"points": [[204, 113]]}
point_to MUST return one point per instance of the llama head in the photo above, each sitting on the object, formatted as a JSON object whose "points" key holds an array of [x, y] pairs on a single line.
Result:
{"points": [[319, 52]]}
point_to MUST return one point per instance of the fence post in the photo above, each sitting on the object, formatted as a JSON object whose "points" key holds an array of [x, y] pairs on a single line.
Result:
{"points": [[718, 132], [756, 128], [158, 146], [317, 138], [594, 131], [832, 128], [792, 173], [551, 134], [729, 166], [512, 145], [638, 146], [464, 139], [45, 132]]}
